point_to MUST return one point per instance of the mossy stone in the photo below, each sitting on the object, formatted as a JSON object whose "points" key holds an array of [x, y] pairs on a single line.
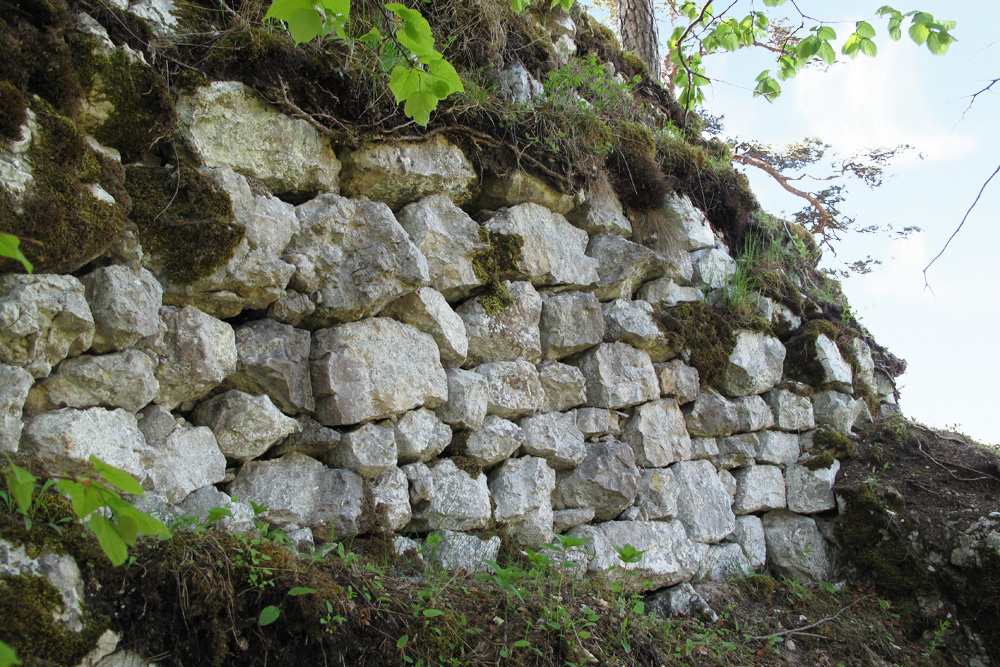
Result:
{"points": [[13, 111], [801, 363], [492, 264], [633, 170], [707, 334]]}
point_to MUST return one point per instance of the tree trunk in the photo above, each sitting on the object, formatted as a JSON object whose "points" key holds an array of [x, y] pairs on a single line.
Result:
{"points": [[637, 21]]}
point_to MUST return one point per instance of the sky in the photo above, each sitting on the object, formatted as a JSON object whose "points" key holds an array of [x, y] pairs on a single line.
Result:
{"points": [[947, 332]]}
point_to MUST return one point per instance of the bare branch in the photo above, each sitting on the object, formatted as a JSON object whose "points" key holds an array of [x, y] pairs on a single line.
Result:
{"points": [[783, 181], [800, 630], [972, 98]]}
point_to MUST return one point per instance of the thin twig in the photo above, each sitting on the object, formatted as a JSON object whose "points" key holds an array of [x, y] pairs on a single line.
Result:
{"points": [[800, 630], [826, 218]]}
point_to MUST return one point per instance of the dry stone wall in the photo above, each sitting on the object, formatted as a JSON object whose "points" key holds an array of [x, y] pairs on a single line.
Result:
{"points": [[357, 367]]}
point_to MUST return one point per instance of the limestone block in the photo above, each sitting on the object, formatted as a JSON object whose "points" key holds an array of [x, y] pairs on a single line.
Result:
{"points": [[352, 258], [681, 600], [14, 385], [368, 451], [43, 319], [553, 250], [759, 488], [693, 231], [657, 434], [554, 436], [564, 520], [777, 448], [495, 441], [517, 85], [458, 551], [513, 389], [791, 411], [121, 380], [458, 500], [711, 415], [702, 502], [301, 490], [601, 212], [729, 484], [713, 267], [866, 365], [195, 355], [753, 413], [632, 323], [373, 369], [273, 359], [622, 266], [656, 498], [737, 451], [207, 498], [186, 460], [836, 409], [606, 480], [427, 310], [508, 335], [593, 421], [836, 370], [665, 293], [61, 572], [795, 547], [420, 435], [754, 366], [291, 308], [313, 440], [704, 448], [468, 397], [449, 239], [617, 375], [678, 380], [518, 187], [723, 561], [391, 493], [245, 426], [570, 322], [421, 481], [811, 491], [398, 173], [564, 385], [125, 302], [225, 124], [522, 490], [749, 534]]}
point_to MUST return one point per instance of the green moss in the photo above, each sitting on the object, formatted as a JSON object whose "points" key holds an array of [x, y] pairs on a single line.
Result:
{"points": [[13, 111], [27, 604], [637, 64], [60, 211], [776, 285], [801, 363], [491, 264], [835, 442], [468, 466], [190, 81], [708, 335], [633, 170], [184, 219]]}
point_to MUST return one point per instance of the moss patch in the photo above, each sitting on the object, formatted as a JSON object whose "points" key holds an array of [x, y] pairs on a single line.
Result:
{"points": [[707, 333], [633, 171], [801, 363], [492, 264], [184, 219], [13, 111]]}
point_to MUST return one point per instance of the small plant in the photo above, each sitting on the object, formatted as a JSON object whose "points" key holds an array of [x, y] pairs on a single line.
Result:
{"points": [[937, 638]]}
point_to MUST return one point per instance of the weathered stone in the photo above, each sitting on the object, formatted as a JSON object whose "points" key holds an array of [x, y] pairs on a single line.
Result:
{"points": [[125, 302], [795, 547], [791, 411], [273, 359], [391, 494], [681, 600], [121, 380], [753, 413], [468, 397], [421, 436], [657, 496], [729, 484], [749, 534], [15, 166], [194, 356], [737, 451], [776, 448], [704, 448], [552, 250], [758, 489], [593, 421], [43, 319], [313, 440], [61, 572], [458, 551], [811, 491], [702, 502], [256, 275], [353, 258], [421, 481], [110, 435], [508, 335], [224, 124], [866, 365], [496, 440], [711, 415], [601, 212], [427, 310], [669, 556], [836, 371], [403, 172], [301, 490], [185, 461], [691, 226], [246, 426], [569, 323], [723, 561], [678, 380], [657, 434], [836, 409], [522, 490], [563, 520], [513, 388], [555, 437], [14, 385], [373, 369], [665, 293], [754, 365], [404, 546], [632, 323], [517, 85], [779, 316], [622, 266], [199, 503], [618, 376], [564, 385], [713, 267], [519, 187], [369, 451], [606, 480], [291, 308], [458, 500], [449, 239]]}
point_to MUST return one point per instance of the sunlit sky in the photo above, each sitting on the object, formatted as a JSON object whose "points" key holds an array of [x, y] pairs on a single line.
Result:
{"points": [[948, 332]]}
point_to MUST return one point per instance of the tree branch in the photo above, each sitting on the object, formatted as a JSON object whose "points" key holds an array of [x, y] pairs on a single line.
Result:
{"points": [[783, 181], [802, 629], [972, 98]]}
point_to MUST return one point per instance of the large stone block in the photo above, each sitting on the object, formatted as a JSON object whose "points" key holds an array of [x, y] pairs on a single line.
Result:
{"points": [[369, 451], [508, 335], [618, 376], [427, 310], [702, 502], [496, 440], [711, 415], [513, 387], [421, 436], [758, 489], [791, 411], [245, 426], [457, 500], [519, 187], [468, 398], [607, 480], [14, 385], [754, 366], [632, 323], [522, 490], [564, 385], [657, 434], [570, 322], [121, 380], [554, 436], [273, 359], [125, 302], [622, 266], [795, 547], [811, 491]]}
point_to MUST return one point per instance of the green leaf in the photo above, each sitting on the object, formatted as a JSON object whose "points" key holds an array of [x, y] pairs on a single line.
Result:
{"points": [[886, 9], [868, 47], [7, 656], [404, 82], [774, 3], [446, 72], [923, 17], [301, 590], [827, 53], [919, 33], [373, 35], [268, 615], [419, 107], [304, 24], [283, 9], [117, 477], [432, 613], [808, 47], [415, 33], [938, 43], [128, 529], [522, 643], [21, 484], [851, 46], [401, 642], [10, 247], [826, 33], [865, 29], [109, 538], [730, 42]]}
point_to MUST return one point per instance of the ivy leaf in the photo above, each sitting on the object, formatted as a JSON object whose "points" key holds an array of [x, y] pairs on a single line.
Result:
{"points": [[116, 477], [868, 47], [447, 73], [852, 46], [304, 24], [919, 32], [10, 247], [415, 33], [268, 615], [938, 43], [109, 538], [827, 53]]}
